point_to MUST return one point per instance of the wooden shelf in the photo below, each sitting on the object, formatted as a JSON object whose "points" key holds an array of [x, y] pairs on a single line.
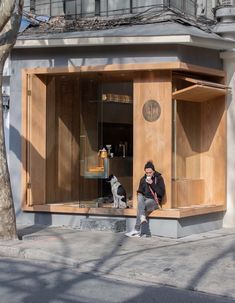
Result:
{"points": [[198, 93], [199, 90], [113, 98], [199, 81], [108, 102]]}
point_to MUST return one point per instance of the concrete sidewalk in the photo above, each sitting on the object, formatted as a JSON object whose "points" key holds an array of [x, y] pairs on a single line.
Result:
{"points": [[204, 262]]}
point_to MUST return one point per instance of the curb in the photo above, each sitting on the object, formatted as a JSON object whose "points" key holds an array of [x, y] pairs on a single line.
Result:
{"points": [[35, 254]]}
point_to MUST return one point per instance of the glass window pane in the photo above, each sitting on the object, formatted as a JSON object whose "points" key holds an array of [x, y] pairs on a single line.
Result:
{"points": [[106, 136]]}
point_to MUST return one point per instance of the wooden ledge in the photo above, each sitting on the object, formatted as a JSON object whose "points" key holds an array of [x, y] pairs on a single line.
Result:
{"points": [[72, 208], [198, 93], [128, 67]]}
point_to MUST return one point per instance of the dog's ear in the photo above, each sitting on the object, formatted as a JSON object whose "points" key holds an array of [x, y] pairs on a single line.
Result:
{"points": [[109, 178]]}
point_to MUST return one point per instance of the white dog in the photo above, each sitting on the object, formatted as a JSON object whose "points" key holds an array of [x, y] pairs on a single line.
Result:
{"points": [[118, 191]]}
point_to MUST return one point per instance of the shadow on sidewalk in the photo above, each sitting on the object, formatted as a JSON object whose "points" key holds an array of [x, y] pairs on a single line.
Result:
{"points": [[27, 282], [211, 264], [106, 263]]}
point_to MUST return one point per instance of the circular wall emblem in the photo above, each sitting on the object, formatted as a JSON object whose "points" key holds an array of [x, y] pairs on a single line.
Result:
{"points": [[151, 110]]}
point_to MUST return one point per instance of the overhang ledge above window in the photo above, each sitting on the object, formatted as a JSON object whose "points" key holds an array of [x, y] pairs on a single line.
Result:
{"points": [[198, 90]]}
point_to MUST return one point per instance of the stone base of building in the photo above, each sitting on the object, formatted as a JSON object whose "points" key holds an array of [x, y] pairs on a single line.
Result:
{"points": [[164, 227], [110, 224], [177, 228]]}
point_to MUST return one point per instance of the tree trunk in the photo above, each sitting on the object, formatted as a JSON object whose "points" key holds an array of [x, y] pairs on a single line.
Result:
{"points": [[10, 16]]}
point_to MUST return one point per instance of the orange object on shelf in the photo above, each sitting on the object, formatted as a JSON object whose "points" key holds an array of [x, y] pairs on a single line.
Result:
{"points": [[96, 169]]}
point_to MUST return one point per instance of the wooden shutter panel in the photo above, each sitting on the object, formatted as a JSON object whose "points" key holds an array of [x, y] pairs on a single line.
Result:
{"points": [[36, 144], [199, 90]]}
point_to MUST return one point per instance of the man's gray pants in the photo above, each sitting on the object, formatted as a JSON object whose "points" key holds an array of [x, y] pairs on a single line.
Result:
{"points": [[145, 207]]}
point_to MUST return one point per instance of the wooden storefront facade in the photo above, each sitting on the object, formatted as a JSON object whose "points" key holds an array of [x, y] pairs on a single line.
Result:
{"points": [[178, 120]]}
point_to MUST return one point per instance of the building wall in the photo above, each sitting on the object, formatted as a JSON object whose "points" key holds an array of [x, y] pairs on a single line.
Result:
{"points": [[75, 57], [229, 67], [225, 27], [205, 8], [87, 8]]}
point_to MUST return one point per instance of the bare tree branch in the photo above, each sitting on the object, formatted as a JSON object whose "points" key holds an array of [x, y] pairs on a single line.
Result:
{"points": [[10, 17], [6, 9]]}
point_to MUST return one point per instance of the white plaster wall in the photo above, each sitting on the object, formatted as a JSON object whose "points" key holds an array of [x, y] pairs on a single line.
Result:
{"points": [[229, 67]]}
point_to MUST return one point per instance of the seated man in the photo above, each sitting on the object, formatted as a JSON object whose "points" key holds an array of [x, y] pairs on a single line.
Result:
{"points": [[149, 196]]}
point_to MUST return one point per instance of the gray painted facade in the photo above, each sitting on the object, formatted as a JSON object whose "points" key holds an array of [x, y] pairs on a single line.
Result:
{"points": [[63, 57], [226, 28], [122, 46]]}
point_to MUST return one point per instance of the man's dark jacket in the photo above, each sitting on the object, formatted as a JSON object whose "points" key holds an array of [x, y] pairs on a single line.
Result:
{"points": [[158, 186]]}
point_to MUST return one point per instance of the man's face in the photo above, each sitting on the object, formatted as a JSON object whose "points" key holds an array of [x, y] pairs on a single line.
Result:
{"points": [[149, 172]]}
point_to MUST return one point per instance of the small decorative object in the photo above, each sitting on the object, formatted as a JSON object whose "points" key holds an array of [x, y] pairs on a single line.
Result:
{"points": [[103, 153], [109, 147], [151, 110]]}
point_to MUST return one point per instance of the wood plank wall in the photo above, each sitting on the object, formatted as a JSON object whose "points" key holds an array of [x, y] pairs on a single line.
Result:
{"points": [[51, 167], [188, 140], [62, 139], [153, 140], [213, 160], [200, 152], [89, 115], [36, 144]]}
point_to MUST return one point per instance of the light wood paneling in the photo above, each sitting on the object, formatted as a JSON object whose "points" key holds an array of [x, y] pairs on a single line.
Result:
{"points": [[51, 167], [64, 113], [24, 136], [198, 81], [174, 65], [62, 139], [76, 140], [213, 160], [188, 192], [37, 141], [201, 149], [89, 113], [153, 140], [198, 93], [188, 144]]}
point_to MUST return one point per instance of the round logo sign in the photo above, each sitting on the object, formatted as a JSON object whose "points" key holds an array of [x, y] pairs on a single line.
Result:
{"points": [[151, 110]]}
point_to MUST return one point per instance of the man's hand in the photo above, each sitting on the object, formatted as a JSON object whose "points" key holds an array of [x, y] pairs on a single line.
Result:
{"points": [[149, 180]]}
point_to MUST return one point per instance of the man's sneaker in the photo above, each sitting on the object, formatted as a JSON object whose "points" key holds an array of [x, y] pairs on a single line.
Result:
{"points": [[143, 219], [133, 233], [145, 236]]}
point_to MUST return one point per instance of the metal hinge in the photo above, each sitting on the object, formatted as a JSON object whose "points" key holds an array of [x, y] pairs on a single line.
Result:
{"points": [[28, 185], [29, 92]]}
